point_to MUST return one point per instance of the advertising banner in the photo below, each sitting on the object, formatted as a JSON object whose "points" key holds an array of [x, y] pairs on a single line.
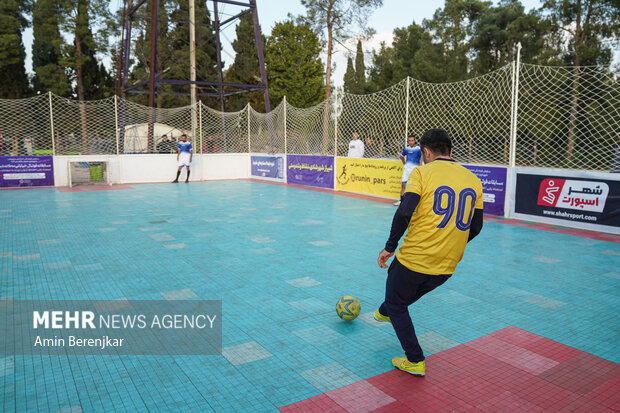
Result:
{"points": [[578, 200], [369, 176], [267, 166], [310, 170], [493, 187], [16, 171]]}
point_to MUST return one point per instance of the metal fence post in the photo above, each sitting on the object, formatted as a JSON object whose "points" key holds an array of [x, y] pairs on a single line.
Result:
{"points": [[513, 133], [285, 136], [407, 113], [118, 151], [49, 95], [248, 109]]}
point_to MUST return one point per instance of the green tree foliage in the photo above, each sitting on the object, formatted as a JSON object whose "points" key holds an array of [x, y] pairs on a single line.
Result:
{"points": [[591, 26], [142, 50], [349, 80], [413, 53], [206, 54], [46, 49], [13, 79], [355, 76], [245, 68], [360, 69], [294, 66], [500, 28], [334, 20], [453, 27], [79, 17]]}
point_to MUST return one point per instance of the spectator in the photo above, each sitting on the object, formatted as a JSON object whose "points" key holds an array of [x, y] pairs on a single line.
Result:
{"points": [[356, 147], [164, 146], [210, 145]]}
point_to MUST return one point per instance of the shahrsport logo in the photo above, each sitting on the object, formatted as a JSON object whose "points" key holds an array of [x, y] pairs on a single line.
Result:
{"points": [[343, 178], [571, 194]]}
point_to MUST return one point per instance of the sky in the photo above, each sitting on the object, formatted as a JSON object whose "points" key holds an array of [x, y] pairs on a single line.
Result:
{"points": [[393, 14]]}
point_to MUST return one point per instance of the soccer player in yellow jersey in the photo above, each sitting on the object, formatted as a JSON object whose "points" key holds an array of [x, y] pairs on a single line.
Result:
{"points": [[441, 211]]}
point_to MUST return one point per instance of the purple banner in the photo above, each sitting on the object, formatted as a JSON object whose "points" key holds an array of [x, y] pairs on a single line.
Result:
{"points": [[310, 170], [267, 166], [18, 171], [493, 187]]}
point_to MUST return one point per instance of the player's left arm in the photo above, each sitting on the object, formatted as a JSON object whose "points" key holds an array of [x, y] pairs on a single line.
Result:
{"points": [[476, 224], [191, 153], [477, 219]]}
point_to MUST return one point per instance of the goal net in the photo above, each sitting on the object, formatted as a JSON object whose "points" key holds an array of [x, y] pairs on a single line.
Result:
{"points": [[88, 173]]}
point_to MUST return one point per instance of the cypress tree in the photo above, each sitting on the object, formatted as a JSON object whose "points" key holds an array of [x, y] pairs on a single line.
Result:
{"points": [[13, 78]]}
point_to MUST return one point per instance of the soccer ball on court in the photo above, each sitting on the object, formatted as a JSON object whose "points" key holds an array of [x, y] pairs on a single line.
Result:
{"points": [[348, 308]]}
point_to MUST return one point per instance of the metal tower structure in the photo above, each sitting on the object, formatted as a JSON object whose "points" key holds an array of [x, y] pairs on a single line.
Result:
{"points": [[220, 89]]}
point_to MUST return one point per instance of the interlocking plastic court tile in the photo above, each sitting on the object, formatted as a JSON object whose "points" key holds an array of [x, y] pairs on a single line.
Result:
{"points": [[613, 274], [48, 241], [319, 335], [513, 355], [245, 353], [330, 376], [360, 397], [26, 257], [303, 282], [546, 260], [433, 342], [453, 297], [322, 243], [311, 305], [370, 319], [111, 305], [612, 252], [260, 239], [265, 250], [108, 229], [508, 402], [73, 409], [162, 237], [183, 294], [57, 265], [544, 302], [464, 379], [177, 246]]}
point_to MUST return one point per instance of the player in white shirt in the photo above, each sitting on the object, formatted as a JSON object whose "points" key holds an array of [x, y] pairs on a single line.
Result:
{"points": [[184, 157], [356, 147]]}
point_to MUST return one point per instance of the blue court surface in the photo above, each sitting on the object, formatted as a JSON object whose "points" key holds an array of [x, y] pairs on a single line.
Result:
{"points": [[279, 258]]}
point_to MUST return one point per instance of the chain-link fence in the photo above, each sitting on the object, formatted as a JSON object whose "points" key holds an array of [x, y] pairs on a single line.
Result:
{"points": [[25, 126], [565, 117], [476, 113], [569, 117]]}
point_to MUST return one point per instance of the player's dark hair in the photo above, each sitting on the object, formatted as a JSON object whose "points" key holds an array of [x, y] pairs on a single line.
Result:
{"points": [[437, 141], [411, 135]]}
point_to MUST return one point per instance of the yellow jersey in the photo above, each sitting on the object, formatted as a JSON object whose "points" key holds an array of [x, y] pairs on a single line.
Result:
{"points": [[439, 227]]}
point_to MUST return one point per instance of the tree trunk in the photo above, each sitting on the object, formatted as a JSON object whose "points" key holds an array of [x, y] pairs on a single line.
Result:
{"points": [[80, 91]]}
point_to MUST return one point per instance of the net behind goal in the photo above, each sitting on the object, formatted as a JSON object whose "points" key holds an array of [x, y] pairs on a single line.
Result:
{"points": [[89, 173]]}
